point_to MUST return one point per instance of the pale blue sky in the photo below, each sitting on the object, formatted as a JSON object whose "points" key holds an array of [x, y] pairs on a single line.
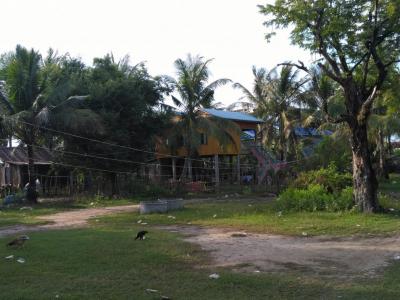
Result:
{"points": [[155, 31]]}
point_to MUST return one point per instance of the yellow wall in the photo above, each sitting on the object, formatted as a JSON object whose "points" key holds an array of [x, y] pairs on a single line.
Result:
{"points": [[213, 146]]}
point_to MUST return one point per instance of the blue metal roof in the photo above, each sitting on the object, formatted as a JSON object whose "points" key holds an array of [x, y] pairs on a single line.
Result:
{"points": [[301, 131], [232, 115]]}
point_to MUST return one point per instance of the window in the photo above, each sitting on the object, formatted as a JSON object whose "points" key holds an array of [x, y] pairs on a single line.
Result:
{"points": [[203, 139]]}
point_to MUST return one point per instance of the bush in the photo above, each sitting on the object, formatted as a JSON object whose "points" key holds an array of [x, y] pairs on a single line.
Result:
{"points": [[329, 178], [314, 198], [337, 149]]}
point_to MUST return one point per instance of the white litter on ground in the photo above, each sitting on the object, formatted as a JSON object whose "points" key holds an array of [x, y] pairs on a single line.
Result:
{"points": [[9, 257], [26, 208], [151, 291], [21, 260], [214, 276]]}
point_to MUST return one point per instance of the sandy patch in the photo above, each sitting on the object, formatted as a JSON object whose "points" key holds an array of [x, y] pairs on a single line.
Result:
{"points": [[242, 251], [68, 219]]}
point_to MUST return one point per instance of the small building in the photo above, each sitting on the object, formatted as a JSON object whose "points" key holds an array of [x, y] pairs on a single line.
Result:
{"points": [[14, 165], [210, 145], [211, 153]]}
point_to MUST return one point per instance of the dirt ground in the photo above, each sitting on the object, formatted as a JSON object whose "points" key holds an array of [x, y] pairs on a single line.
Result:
{"points": [[248, 252], [251, 252], [68, 219]]}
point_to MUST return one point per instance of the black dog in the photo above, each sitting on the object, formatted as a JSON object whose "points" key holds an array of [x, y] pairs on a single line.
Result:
{"points": [[141, 235]]}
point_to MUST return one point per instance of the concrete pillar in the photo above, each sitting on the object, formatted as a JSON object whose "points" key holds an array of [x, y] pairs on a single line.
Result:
{"points": [[190, 174], [238, 169], [173, 168], [216, 168]]}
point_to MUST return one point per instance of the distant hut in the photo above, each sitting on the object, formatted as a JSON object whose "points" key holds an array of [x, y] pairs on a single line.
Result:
{"points": [[14, 165]]}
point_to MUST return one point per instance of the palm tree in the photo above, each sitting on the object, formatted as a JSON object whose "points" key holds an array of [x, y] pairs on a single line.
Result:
{"points": [[274, 95], [196, 93], [34, 101]]}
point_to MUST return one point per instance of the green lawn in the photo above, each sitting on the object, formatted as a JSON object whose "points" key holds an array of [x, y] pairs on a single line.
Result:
{"points": [[257, 216], [105, 262], [261, 217]]}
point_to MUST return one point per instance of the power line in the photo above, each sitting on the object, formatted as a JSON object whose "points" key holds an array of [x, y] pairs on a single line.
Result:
{"points": [[114, 145], [105, 170], [111, 159], [134, 149]]}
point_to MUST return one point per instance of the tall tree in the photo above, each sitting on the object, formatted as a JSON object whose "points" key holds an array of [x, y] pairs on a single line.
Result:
{"points": [[36, 99], [196, 93], [358, 42], [127, 100], [275, 97]]}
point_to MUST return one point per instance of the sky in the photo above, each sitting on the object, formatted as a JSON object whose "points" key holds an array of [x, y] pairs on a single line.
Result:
{"points": [[154, 31]]}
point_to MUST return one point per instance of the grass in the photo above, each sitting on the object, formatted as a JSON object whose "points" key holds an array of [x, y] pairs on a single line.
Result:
{"points": [[105, 262], [390, 185], [261, 217]]}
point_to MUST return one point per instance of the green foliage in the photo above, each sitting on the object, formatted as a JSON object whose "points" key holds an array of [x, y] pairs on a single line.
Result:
{"points": [[340, 156], [275, 97], [318, 190], [125, 98], [314, 198], [328, 178]]}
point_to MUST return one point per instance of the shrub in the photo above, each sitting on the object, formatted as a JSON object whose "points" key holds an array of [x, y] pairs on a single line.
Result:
{"points": [[329, 178], [341, 156], [314, 198]]}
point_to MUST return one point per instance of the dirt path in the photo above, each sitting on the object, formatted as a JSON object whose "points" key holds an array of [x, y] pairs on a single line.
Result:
{"points": [[68, 219], [340, 257]]}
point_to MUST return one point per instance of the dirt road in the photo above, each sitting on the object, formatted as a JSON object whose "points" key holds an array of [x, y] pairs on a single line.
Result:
{"points": [[68, 219], [248, 252]]}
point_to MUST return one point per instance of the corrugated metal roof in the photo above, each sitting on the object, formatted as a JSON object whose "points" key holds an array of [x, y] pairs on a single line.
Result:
{"points": [[232, 115], [301, 131], [18, 156]]}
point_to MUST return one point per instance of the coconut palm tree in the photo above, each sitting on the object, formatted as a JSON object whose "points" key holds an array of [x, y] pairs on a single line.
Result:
{"points": [[196, 93], [33, 102], [274, 95]]}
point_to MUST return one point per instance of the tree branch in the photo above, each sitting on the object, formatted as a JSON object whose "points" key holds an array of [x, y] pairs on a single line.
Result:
{"points": [[300, 66], [366, 106]]}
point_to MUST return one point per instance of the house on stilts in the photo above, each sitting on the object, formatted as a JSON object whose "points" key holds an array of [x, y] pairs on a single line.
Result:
{"points": [[242, 159]]}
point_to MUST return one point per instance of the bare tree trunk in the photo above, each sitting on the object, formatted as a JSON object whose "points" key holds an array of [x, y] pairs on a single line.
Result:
{"points": [[382, 172], [390, 146], [364, 180], [174, 169], [31, 194], [114, 184], [281, 140]]}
